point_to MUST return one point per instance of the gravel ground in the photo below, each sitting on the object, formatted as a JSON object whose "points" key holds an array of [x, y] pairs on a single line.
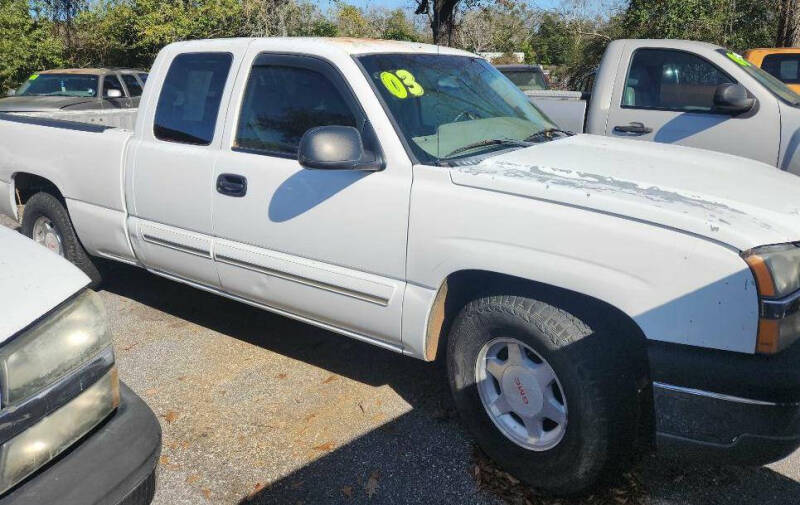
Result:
{"points": [[257, 408]]}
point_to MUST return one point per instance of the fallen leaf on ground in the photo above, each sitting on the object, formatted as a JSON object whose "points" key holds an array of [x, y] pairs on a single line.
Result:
{"points": [[330, 379], [254, 493], [129, 347], [327, 446], [164, 460], [280, 376], [192, 478], [347, 491], [171, 416], [206, 492], [372, 484], [150, 391]]}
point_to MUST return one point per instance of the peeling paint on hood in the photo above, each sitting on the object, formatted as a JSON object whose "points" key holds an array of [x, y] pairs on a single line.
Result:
{"points": [[740, 202]]}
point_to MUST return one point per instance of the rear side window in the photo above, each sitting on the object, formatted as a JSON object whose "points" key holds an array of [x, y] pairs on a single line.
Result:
{"points": [[134, 88], [785, 67], [281, 103], [671, 80], [143, 77], [112, 82], [190, 98]]}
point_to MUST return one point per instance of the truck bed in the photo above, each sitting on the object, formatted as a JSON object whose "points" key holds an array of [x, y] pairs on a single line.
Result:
{"points": [[122, 118], [82, 153], [566, 108]]}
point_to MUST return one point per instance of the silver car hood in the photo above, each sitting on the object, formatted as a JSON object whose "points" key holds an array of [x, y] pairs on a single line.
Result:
{"points": [[34, 281], [733, 200]]}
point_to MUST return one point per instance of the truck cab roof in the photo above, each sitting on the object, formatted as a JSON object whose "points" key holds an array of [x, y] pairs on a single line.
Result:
{"points": [[348, 45]]}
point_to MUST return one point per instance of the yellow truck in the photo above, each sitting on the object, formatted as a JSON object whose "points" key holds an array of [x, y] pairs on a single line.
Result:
{"points": [[782, 62]]}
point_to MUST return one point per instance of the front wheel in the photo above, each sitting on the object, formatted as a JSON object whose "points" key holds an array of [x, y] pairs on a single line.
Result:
{"points": [[551, 401], [47, 222]]}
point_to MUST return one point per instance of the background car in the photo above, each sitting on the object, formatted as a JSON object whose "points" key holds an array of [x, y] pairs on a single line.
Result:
{"points": [[526, 77], [782, 62], [77, 89]]}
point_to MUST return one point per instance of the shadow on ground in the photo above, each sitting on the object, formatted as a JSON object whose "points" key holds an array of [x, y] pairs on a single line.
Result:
{"points": [[423, 456]]}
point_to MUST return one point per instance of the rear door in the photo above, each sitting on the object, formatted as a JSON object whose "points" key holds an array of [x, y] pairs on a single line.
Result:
{"points": [[667, 95], [326, 245], [134, 88], [169, 180]]}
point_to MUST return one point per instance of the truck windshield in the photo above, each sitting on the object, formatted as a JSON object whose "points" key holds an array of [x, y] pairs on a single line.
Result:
{"points": [[448, 106], [772, 84], [59, 85]]}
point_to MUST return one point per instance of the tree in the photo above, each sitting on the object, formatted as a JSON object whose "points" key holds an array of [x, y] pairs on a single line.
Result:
{"points": [[27, 44], [351, 22], [398, 27], [788, 24], [442, 15], [739, 24]]}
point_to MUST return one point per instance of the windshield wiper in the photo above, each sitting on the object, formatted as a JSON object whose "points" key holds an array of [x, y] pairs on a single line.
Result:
{"points": [[488, 142], [548, 134]]}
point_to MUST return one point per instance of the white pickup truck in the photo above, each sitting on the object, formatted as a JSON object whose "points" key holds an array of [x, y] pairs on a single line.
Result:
{"points": [[687, 93], [587, 293]]}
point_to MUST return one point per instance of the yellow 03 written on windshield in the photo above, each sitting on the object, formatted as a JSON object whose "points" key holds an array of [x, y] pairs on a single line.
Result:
{"points": [[402, 84]]}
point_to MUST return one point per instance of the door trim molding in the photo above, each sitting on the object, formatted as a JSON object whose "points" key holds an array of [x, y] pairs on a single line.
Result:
{"points": [[359, 295]]}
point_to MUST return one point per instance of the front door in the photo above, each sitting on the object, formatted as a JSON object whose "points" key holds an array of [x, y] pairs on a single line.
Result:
{"points": [[328, 246], [668, 96]]}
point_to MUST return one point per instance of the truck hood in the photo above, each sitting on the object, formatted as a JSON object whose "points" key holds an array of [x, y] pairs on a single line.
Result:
{"points": [[40, 103], [728, 199], [34, 281]]}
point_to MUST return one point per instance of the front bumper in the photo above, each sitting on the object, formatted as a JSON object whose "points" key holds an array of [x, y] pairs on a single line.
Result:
{"points": [[726, 406], [113, 465]]}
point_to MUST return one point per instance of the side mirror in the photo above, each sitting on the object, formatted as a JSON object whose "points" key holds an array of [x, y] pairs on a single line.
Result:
{"points": [[113, 93], [335, 148], [11, 92], [732, 99]]}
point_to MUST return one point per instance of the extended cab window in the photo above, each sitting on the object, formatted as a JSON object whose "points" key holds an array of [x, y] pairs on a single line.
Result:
{"points": [[190, 98], [281, 103], [132, 83], [671, 80], [785, 67]]}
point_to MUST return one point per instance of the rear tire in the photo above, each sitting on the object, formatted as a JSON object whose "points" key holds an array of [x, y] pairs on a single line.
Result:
{"points": [[48, 206], [595, 378]]}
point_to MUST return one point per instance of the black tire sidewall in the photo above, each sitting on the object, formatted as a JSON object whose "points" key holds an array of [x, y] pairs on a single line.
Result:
{"points": [[579, 457], [47, 205]]}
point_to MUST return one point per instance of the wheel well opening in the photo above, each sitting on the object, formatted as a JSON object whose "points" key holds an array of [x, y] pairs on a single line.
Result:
{"points": [[464, 286], [26, 185]]}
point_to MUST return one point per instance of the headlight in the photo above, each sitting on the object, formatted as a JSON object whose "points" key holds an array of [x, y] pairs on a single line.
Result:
{"points": [[68, 337], [776, 269], [36, 446]]}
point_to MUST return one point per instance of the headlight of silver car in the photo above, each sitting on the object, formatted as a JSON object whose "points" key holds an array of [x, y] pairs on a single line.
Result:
{"points": [[776, 269], [60, 343]]}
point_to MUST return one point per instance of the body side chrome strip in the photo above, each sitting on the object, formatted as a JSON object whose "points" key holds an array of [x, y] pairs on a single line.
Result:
{"points": [[359, 295], [304, 319], [716, 396], [176, 246]]}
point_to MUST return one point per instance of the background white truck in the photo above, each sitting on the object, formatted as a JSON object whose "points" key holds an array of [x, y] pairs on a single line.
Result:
{"points": [[687, 93], [410, 196]]}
